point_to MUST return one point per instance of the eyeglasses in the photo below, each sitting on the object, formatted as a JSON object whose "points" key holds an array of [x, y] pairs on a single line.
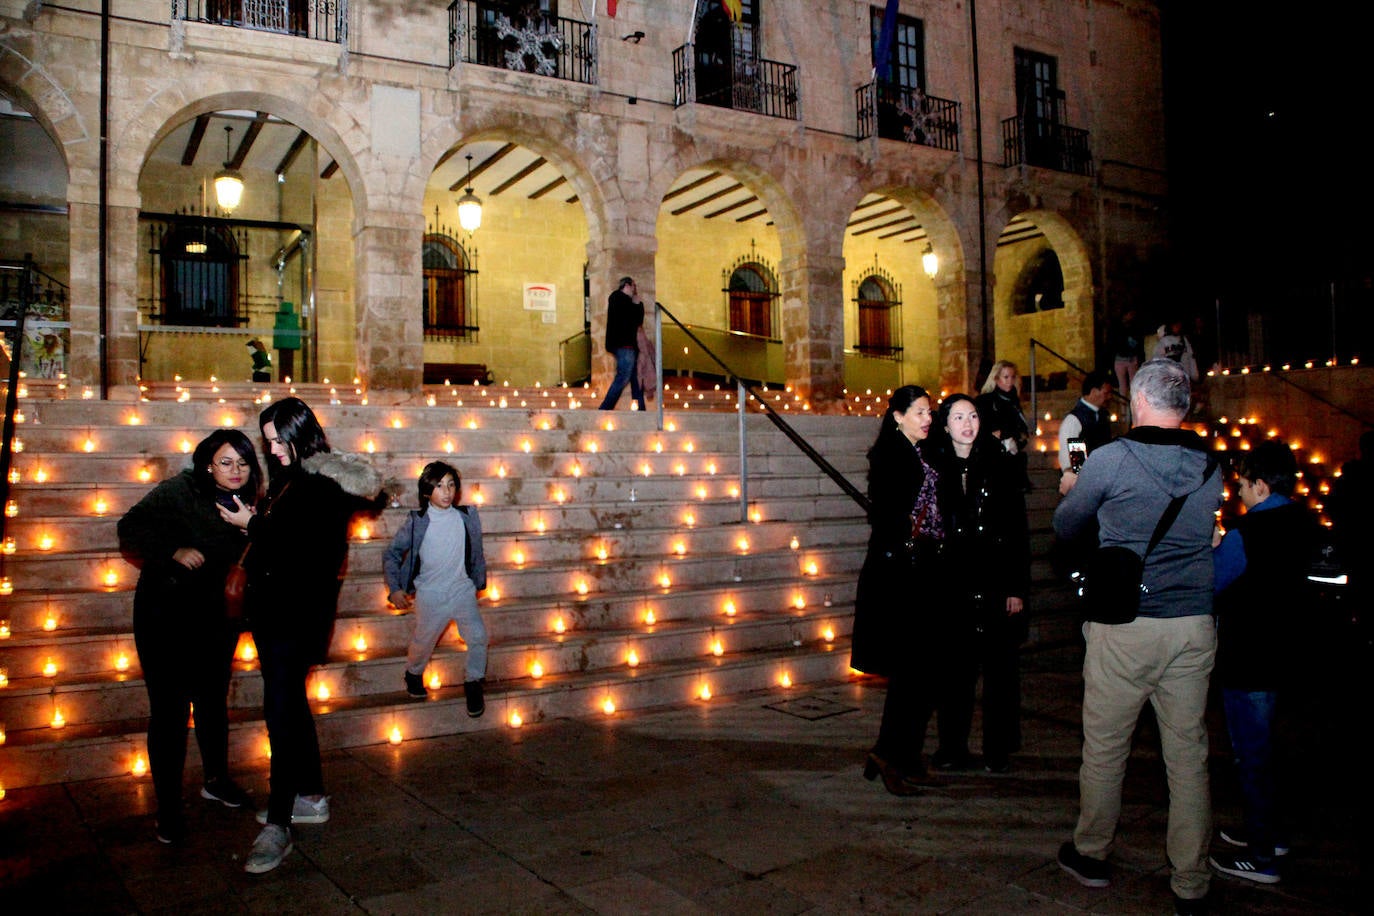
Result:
{"points": [[232, 464]]}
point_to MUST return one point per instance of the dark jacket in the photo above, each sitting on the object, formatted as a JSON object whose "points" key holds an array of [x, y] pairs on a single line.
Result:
{"points": [[1000, 413], [885, 601], [300, 543], [1257, 612], [624, 316], [984, 510], [401, 561], [178, 513]]}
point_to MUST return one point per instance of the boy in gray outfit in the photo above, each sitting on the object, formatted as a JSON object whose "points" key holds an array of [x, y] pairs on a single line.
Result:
{"points": [[437, 556]]}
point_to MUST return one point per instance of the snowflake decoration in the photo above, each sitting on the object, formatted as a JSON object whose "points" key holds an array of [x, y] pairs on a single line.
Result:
{"points": [[914, 108], [530, 42]]}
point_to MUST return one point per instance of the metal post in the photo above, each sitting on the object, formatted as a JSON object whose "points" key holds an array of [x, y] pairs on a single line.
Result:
{"points": [[1334, 359], [658, 360], [1030, 366], [740, 396]]}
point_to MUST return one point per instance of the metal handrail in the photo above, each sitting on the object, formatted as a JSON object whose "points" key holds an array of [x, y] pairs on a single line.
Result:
{"points": [[1035, 414], [744, 387]]}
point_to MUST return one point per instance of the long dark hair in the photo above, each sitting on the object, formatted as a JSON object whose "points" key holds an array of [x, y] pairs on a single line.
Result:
{"points": [[297, 428], [900, 402], [204, 456], [433, 475]]}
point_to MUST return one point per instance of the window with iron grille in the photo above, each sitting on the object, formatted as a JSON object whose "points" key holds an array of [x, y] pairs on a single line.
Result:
{"points": [[879, 302], [199, 275], [752, 294], [449, 281]]}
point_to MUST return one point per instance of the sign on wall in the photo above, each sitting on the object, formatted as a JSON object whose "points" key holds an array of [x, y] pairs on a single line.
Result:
{"points": [[540, 297]]}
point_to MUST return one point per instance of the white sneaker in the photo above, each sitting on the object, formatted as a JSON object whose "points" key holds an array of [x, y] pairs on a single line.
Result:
{"points": [[271, 846], [305, 812]]}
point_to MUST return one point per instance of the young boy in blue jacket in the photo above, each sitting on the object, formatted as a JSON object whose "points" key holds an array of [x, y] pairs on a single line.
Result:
{"points": [[437, 556]]}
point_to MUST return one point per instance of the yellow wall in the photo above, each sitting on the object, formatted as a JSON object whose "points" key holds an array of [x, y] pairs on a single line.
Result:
{"points": [[920, 364]]}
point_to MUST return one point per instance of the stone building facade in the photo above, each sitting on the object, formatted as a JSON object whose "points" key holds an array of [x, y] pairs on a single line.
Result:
{"points": [[392, 99]]}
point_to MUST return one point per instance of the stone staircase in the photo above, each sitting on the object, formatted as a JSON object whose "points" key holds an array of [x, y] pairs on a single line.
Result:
{"points": [[621, 572]]}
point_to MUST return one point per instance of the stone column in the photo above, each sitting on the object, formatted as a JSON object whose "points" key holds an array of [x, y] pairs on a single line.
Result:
{"points": [[83, 354], [390, 329], [813, 327], [961, 328]]}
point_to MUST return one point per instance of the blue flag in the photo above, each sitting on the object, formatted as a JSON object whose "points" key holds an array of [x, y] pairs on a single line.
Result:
{"points": [[882, 54]]}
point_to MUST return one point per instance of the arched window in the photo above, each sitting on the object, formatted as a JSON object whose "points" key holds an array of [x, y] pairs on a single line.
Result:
{"points": [[1040, 285], [200, 277], [450, 307], [879, 301], [751, 291]]}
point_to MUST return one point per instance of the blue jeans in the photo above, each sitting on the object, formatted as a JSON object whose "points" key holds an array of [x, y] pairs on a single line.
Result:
{"points": [[625, 359], [1250, 721]]}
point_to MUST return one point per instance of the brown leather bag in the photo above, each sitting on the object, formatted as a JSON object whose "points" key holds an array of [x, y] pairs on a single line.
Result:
{"points": [[236, 588]]}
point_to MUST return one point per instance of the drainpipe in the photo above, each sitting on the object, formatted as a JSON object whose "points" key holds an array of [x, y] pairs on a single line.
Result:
{"points": [[104, 204], [982, 201]]}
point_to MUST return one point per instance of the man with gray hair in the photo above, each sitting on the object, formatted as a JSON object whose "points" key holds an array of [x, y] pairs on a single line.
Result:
{"points": [[1165, 654]]}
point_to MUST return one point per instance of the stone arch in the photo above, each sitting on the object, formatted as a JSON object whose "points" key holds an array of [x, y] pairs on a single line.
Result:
{"points": [[1070, 330], [167, 110], [57, 114]]}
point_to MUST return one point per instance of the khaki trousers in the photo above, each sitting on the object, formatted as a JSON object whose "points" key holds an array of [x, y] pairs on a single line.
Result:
{"points": [[1167, 661]]}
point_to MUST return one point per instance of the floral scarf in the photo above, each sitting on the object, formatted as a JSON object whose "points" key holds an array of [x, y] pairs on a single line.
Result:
{"points": [[926, 523]]}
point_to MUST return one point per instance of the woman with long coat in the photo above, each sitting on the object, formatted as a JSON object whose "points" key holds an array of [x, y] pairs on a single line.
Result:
{"points": [[300, 542], [987, 567], [185, 641], [892, 603]]}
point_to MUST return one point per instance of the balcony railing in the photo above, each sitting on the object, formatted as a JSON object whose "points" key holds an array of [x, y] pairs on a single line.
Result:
{"points": [[493, 35], [738, 81], [1046, 144], [324, 20], [906, 114]]}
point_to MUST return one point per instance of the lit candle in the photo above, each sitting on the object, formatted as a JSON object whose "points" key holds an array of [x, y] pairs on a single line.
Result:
{"points": [[448, 446], [632, 658], [717, 648], [730, 608], [396, 423], [794, 543], [4, 628], [50, 621], [705, 692], [785, 680], [649, 617], [608, 706], [101, 505], [525, 446], [57, 720], [139, 767], [11, 509], [185, 446], [689, 519], [679, 548], [515, 720], [145, 474], [665, 580], [518, 557], [50, 669], [360, 643], [539, 526], [493, 593], [602, 553], [828, 634], [742, 543], [798, 601], [40, 476], [395, 734], [434, 681], [122, 662], [88, 445], [559, 496], [536, 669], [811, 568], [559, 626], [111, 578], [4, 677]]}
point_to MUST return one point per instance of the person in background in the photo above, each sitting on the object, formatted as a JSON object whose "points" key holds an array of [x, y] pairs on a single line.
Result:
{"points": [[999, 409], [1128, 350], [898, 589], [262, 361], [624, 319], [300, 543], [1174, 344], [1261, 576], [1088, 420], [1165, 655], [437, 556], [185, 642], [988, 569]]}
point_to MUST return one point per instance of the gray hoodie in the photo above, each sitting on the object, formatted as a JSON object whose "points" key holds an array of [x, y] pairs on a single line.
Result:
{"points": [[1125, 486]]}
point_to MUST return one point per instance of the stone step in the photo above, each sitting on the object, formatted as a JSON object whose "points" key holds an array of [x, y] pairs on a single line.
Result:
{"points": [[111, 749]]}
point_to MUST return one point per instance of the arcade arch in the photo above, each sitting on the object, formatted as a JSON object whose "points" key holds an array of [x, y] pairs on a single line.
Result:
{"points": [[1043, 290]]}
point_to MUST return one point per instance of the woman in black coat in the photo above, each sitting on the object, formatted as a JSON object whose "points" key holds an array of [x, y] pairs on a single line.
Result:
{"points": [[891, 606], [185, 642], [300, 542], [987, 567], [999, 408]]}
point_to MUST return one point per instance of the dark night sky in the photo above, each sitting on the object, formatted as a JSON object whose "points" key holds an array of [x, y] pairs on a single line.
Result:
{"points": [[1270, 171]]}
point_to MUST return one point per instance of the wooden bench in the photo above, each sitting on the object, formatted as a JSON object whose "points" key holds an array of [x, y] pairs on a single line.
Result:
{"points": [[457, 373]]}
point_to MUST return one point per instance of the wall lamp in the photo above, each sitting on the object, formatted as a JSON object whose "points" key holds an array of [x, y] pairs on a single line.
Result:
{"points": [[636, 37]]}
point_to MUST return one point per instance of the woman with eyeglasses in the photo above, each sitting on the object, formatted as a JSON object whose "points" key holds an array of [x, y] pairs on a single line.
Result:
{"points": [[184, 639], [295, 569]]}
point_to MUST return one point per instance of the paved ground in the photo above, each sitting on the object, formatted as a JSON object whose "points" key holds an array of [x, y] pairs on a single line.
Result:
{"points": [[743, 805]]}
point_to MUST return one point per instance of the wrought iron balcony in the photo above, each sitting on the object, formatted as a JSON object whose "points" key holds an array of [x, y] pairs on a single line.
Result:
{"points": [[515, 36], [900, 113], [735, 80], [1046, 144], [324, 20]]}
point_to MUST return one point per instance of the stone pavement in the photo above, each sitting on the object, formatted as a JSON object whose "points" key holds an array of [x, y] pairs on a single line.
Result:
{"points": [[747, 804]]}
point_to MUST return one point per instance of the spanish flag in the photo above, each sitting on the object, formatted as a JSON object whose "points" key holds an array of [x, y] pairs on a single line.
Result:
{"points": [[733, 9]]}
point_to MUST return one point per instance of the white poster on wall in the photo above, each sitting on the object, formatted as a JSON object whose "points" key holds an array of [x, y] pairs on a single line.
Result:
{"points": [[540, 297]]}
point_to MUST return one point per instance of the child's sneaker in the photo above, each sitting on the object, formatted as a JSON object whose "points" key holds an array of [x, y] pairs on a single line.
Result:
{"points": [[415, 686], [472, 692]]}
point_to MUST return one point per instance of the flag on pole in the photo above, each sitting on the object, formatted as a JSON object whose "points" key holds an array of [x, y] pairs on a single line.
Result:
{"points": [[610, 8], [733, 9], [882, 54]]}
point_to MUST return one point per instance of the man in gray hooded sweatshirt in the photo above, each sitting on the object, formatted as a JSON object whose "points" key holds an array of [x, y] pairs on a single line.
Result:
{"points": [[1165, 654]]}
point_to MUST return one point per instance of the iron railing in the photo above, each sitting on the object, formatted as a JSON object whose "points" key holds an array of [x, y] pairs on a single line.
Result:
{"points": [[323, 20], [489, 34], [575, 358], [1046, 144], [742, 82], [902, 113]]}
